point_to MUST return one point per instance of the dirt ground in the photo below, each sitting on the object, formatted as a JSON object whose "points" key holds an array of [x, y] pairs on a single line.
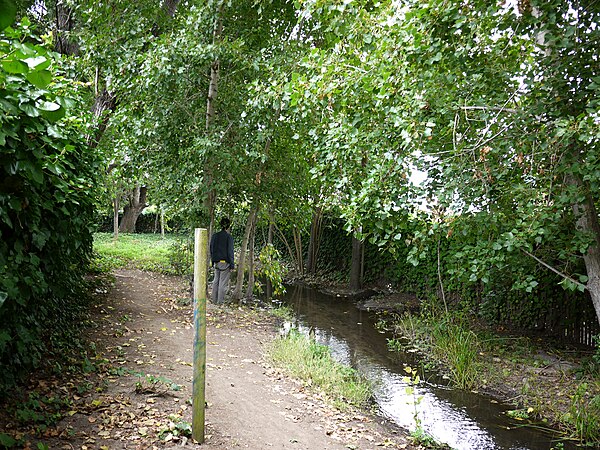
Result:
{"points": [[143, 335]]}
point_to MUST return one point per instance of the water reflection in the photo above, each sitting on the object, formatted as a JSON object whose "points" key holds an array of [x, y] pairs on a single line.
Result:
{"points": [[463, 420]]}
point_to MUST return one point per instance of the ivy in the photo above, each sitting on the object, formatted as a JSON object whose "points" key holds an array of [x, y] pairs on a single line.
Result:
{"points": [[46, 199]]}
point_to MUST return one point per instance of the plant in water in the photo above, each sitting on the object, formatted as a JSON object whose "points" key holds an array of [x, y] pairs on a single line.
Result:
{"points": [[412, 380], [520, 414], [419, 436], [283, 312], [448, 340], [583, 416]]}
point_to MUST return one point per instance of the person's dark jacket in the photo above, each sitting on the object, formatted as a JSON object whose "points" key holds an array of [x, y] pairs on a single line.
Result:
{"points": [[221, 248]]}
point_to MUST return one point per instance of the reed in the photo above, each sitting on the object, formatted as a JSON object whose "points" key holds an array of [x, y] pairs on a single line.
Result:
{"points": [[446, 339]]}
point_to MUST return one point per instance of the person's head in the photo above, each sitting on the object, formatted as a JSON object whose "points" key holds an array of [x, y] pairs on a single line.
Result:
{"points": [[225, 223]]}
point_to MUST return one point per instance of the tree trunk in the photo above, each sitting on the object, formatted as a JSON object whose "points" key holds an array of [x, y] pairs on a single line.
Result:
{"points": [[299, 253], [162, 224], [587, 221], [64, 25], [131, 212], [170, 6], [286, 243], [116, 216], [105, 102], [356, 264], [250, 287], [269, 284], [241, 264], [211, 98], [315, 241], [213, 86]]}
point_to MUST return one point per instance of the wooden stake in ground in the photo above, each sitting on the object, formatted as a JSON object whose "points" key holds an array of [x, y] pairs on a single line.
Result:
{"points": [[200, 264]]}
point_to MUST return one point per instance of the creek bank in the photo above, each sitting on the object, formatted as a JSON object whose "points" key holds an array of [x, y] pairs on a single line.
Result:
{"points": [[544, 381]]}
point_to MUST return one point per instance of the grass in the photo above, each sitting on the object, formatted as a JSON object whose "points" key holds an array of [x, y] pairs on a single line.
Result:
{"points": [[141, 251], [449, 341], [583, 417], [311, 362]]}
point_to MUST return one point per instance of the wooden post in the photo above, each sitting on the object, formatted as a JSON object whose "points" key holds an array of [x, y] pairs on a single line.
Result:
{"points": [[200, 269]]}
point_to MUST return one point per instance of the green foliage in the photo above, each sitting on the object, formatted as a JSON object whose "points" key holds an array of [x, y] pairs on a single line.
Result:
{"points": [[272, 269], [152, 384], [312, 362], [8, 13], [520, 414], [181, 257], [7, 441], [596, 356], [46, 199], [283, 312], [175, 427], [412, 380], [419, 436]]}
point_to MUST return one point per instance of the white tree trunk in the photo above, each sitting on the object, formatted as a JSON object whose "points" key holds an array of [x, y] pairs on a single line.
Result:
{"points": [[588, 222]]}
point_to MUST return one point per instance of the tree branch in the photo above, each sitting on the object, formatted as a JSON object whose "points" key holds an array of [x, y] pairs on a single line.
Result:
{"points": [[557, 272], [490, 108]]}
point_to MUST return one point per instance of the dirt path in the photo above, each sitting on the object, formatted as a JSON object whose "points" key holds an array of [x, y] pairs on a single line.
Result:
{"points": [[144, 334]]}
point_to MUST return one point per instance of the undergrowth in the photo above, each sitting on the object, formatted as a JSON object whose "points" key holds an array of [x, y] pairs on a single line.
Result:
{"points": [[472, 360]]}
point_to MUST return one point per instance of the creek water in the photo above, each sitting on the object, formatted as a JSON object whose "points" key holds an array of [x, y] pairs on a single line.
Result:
{"points": [[463, 420]]}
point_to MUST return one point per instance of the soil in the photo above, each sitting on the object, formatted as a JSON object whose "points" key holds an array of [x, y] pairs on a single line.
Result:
{"points": [[138, 392]]}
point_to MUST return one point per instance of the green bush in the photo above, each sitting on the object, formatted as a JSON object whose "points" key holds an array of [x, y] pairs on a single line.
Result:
{"points": [[47, 179]]}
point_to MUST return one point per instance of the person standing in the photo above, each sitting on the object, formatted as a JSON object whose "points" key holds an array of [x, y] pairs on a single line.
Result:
{"points": [[221, 252]]}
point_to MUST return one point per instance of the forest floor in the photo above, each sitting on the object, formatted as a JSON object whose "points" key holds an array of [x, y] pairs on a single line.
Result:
{"points": [[137, 394]]}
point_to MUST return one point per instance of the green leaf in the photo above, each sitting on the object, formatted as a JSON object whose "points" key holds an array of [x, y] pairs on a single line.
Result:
{"points": [[3, 297], [38, 62], [48, 106], [40, 78], [36, 173], [8, 13], [14, 66], [53, 115], [29, 109], [56, 132]]}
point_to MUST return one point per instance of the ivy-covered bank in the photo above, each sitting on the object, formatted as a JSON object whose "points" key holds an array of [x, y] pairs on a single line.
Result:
{"points": [[507, 295], [47, 193]]}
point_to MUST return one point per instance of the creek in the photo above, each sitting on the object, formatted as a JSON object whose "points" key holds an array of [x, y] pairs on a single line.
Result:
{"points": [[463, 420]]}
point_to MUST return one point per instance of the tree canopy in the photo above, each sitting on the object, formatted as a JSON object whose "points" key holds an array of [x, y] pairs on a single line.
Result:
{"points": [[292, 107]]}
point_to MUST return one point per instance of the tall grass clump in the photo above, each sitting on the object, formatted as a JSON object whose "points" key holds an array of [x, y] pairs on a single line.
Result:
{"points": [[583, 417], [448, 340], [312, 362]]}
